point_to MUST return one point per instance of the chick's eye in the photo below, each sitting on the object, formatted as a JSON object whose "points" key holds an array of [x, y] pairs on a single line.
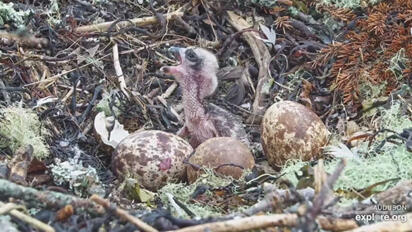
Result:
{"points": [[191, 55]]}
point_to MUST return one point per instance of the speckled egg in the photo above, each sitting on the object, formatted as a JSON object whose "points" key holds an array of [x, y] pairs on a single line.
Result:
{"points": [[226, 155], [292, 131], [152, 157]]}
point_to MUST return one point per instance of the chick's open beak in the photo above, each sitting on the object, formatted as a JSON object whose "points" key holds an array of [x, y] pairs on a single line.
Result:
{"points": [[176, 51]]}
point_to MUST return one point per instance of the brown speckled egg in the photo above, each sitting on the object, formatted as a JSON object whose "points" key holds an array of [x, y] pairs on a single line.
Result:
{"points": [[152, 157], [217, 152], [292, 131]]}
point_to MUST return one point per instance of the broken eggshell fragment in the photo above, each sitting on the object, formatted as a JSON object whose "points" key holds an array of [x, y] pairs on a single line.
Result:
{"points": [[117, 134], [292, 131], [226, 155], [152, 157]]}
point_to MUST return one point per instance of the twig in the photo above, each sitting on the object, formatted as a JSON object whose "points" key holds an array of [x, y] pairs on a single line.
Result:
{"points": [[169, 90], [19, 164], [245, 224], [320, 176], [123, 214], [28, 41], [336, 224], [54, 78], [263, 221], [233, 37], [4, 93], [151, 46], [262, 57], [206, 6], [5, 208], [180, 212], [186, 26], [277, 197], [118, 69], [161, 19], [397, 195], [48, 199], [12, 210], [102, 27], [320, 199], [71, 91]]}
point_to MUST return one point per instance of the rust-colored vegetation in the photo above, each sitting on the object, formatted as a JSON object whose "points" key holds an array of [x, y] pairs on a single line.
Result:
{"points": [[368, 51]]}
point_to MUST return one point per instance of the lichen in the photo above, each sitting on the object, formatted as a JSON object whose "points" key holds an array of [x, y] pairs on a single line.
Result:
{"points": [[21, 127], [264, 3], [6, 224], [291, 168], [393, 119], [9, 15], [83, 181], [183, 193], [349, 3], [369, 90], [398, 63], [104, 106], [392, 162], [53, 13], [331, 23], [292, 82]]}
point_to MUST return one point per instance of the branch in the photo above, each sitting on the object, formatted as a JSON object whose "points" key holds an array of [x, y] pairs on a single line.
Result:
{"points": [[276, 197], [11, 209], [245, 224], [118, 69], [26, 40], [102, 27], [262, 57], [123, 214], [264, 221], [48, 199]]}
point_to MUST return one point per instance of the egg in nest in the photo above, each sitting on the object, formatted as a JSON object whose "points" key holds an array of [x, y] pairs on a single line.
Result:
{"points": [[225, 155], [152, 157], [292, 131]]}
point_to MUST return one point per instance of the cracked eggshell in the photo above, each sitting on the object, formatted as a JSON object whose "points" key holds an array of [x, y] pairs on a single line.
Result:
{"points": [[292, 131], [218, 151], [152, 157]]}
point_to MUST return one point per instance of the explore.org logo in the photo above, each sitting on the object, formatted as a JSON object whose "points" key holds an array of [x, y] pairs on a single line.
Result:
{"points": [[384, 213]]}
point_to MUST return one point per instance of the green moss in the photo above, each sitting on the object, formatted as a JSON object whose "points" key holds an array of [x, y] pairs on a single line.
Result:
{"points": [[21, 127]]}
